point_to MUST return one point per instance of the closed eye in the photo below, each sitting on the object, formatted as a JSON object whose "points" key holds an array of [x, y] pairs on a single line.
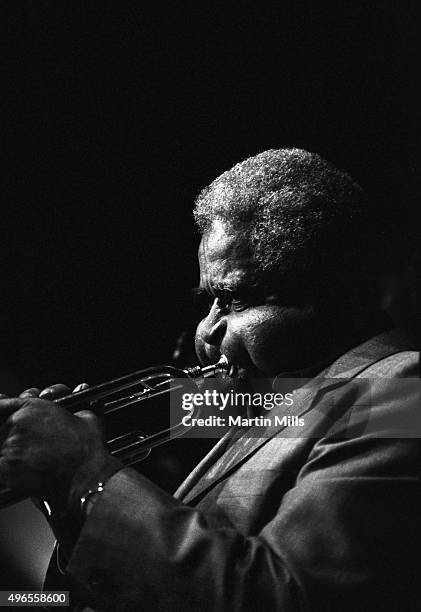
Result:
{"points": [[234, 300], [228, 300]]}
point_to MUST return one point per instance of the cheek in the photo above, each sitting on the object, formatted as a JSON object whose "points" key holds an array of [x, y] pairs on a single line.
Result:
{"points": [[263, 338], [274, 339], [253, 337]]}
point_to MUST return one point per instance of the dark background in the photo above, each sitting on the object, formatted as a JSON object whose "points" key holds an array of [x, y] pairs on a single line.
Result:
{"points": [[115, 115]]}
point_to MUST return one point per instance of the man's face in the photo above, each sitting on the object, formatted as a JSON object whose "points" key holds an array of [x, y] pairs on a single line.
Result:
{"points": [[248, 323]]}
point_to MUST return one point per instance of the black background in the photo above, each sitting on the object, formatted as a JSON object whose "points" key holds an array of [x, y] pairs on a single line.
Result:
{"points": [[115, 115]]}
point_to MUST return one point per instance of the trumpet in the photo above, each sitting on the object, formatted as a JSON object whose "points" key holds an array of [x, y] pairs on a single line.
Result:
{"points": [[115, 397]]}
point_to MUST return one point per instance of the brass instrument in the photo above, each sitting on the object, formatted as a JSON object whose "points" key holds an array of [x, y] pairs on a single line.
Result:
{"points": [[112, 397]]}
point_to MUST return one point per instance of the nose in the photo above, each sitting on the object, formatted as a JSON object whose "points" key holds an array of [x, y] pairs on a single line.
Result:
{"points": [[212, 328]]}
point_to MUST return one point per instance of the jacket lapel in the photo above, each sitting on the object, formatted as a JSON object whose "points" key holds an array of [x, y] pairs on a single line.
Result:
{"points": [[195, 476], [237, 446]]}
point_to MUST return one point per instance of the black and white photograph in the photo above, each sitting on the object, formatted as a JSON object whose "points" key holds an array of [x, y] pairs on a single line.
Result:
{"points": [[210, 314]]}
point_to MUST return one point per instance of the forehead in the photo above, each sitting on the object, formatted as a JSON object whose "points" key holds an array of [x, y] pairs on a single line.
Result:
{"points": [[224, 258]]}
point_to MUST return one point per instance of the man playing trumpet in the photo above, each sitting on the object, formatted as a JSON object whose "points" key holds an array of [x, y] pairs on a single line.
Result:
{"points": [[324, 519]]}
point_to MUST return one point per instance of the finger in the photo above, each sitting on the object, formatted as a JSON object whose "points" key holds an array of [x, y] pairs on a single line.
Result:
{"points": [[54, 392], [80, 387], [32, 392], [8, 406]]}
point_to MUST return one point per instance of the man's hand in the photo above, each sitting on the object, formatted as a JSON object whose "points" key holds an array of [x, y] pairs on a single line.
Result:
{"points": [[48, 452]]}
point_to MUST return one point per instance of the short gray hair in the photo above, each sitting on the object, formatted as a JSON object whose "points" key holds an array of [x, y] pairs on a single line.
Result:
{"points": [[300, 215]]}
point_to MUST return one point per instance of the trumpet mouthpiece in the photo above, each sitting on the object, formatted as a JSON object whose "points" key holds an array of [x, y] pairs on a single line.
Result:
{"points": [[223, 366]]}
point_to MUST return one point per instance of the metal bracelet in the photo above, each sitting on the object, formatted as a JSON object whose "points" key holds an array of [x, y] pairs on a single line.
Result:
{"points": [[87, 496]]}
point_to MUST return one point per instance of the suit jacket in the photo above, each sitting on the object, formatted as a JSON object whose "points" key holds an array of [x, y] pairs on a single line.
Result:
{"points": [[324, 518]]}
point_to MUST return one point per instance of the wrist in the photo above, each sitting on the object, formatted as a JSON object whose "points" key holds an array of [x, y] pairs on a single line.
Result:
{"points": [[86, 479]]}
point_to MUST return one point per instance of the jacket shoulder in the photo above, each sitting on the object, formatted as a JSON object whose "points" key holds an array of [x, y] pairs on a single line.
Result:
{"points": [[403, 364]]}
